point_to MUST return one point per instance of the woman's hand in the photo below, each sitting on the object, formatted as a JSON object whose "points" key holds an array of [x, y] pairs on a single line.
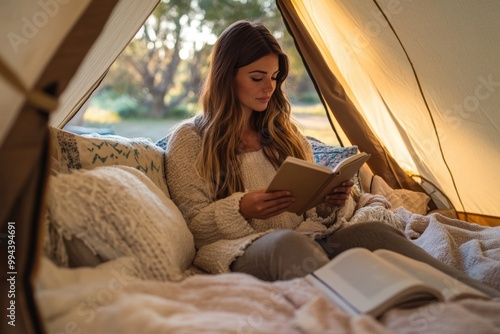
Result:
{"points": [[339, 195], [263, 205]]}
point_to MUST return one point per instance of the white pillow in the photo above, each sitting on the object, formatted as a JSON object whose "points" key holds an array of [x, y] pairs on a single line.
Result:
{"points": [[118, 211], [412, 201]]}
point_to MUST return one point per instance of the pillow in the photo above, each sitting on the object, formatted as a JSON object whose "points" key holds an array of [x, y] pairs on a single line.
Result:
{"points": [[330, 156], [412, 201], [90, 151], [163, 142], [117, 211]]}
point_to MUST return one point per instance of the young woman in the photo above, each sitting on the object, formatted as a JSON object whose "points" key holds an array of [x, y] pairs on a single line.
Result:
{"points": [[220, 163]]}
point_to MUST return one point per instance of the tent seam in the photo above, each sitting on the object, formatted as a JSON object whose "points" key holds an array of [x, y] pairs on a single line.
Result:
{"points": [[424, 99]]}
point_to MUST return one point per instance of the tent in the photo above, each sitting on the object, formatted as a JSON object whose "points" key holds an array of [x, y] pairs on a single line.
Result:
{"points": [[414, 83], [46, 43]]}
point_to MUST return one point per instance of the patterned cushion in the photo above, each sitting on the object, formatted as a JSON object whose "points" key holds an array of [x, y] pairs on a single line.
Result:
{"points": [[162, 143], [330, 156], [90, 151]]}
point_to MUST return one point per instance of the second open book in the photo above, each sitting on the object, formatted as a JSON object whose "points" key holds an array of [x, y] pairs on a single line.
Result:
{"points": [[310, 182], [360, 281]]}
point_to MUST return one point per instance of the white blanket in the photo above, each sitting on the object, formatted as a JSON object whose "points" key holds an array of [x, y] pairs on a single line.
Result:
{"points": [[113, 299], [471, 248], [110, 299]]}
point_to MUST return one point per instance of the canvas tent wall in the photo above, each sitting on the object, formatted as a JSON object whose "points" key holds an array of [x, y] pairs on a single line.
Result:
{"points": [[415, 81], [44, 43]]}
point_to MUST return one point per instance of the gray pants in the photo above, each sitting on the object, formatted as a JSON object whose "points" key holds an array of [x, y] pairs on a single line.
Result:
{"points": [[285, 254]]}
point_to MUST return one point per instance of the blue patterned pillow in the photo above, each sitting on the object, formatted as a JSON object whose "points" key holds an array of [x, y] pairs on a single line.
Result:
{"points": [[330, 156], [162, 143]]}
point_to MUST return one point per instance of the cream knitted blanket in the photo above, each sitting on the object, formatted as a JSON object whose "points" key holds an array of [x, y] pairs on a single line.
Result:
{"points": [[468, 247]]}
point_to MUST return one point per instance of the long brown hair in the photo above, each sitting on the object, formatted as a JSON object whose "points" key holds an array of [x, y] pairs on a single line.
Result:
{"points": [[241, 44]]}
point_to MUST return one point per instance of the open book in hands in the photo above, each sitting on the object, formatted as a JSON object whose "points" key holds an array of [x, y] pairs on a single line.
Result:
{"points": [[364, 282], [310, 182]]}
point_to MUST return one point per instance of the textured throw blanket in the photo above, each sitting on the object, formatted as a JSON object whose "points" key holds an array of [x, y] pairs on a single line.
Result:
{"points": [[115, 298], [471, 248], [112, 298]]}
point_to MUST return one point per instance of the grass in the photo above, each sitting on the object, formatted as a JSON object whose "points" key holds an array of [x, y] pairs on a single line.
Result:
{"points": [[132, 128], [311, 119]]}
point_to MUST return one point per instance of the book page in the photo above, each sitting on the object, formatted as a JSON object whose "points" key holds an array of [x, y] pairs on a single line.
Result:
{"points": [[344, 171], [368, 283], [351, 160], [449, 287]]}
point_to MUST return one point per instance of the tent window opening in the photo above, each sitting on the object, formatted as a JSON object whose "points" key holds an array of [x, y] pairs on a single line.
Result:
{"points": [[154, 84]]}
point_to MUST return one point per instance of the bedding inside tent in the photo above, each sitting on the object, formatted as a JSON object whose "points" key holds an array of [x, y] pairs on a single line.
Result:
{"points": [[414, 83]]}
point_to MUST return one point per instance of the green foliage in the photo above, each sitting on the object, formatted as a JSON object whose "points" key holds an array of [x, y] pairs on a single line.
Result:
{"points": [[151, 68], [123, 104], [308, 98], [121, 80], [221, 13], [179, 112]]}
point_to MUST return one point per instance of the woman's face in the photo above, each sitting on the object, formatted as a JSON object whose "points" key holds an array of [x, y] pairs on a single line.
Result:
{"points": [[256, 82]]}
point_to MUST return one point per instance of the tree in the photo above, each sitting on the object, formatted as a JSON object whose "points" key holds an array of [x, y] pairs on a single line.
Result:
{"points": [[165, 63], [220, 13], [158, 55]]}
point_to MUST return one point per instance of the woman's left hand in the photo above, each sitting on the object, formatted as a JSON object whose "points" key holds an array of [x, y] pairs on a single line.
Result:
{"points": [[339, 195]]}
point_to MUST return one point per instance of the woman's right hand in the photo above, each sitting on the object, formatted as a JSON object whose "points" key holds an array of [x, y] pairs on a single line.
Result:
{"points": [[262, 205]]}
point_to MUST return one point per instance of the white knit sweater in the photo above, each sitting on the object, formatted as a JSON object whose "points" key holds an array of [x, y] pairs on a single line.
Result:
{"points": [[220, 231]]}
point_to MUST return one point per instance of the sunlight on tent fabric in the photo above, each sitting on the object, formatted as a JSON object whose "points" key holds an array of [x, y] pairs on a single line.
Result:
{"points": [[345, 55], [105, 50], [428, 86], [34, 31]]}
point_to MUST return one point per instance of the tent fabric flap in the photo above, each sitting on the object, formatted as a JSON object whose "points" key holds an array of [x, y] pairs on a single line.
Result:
{"points": [[33, 32], [44, 61], [340, 105], [123, 24], [425, 79]]}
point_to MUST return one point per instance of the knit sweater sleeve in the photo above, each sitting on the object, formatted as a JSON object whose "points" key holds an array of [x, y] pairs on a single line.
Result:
{"points": [[208, 220]]}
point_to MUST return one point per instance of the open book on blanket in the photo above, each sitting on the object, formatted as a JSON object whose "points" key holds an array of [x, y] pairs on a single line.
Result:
{"points": [[310, 182], [364, 282]]}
